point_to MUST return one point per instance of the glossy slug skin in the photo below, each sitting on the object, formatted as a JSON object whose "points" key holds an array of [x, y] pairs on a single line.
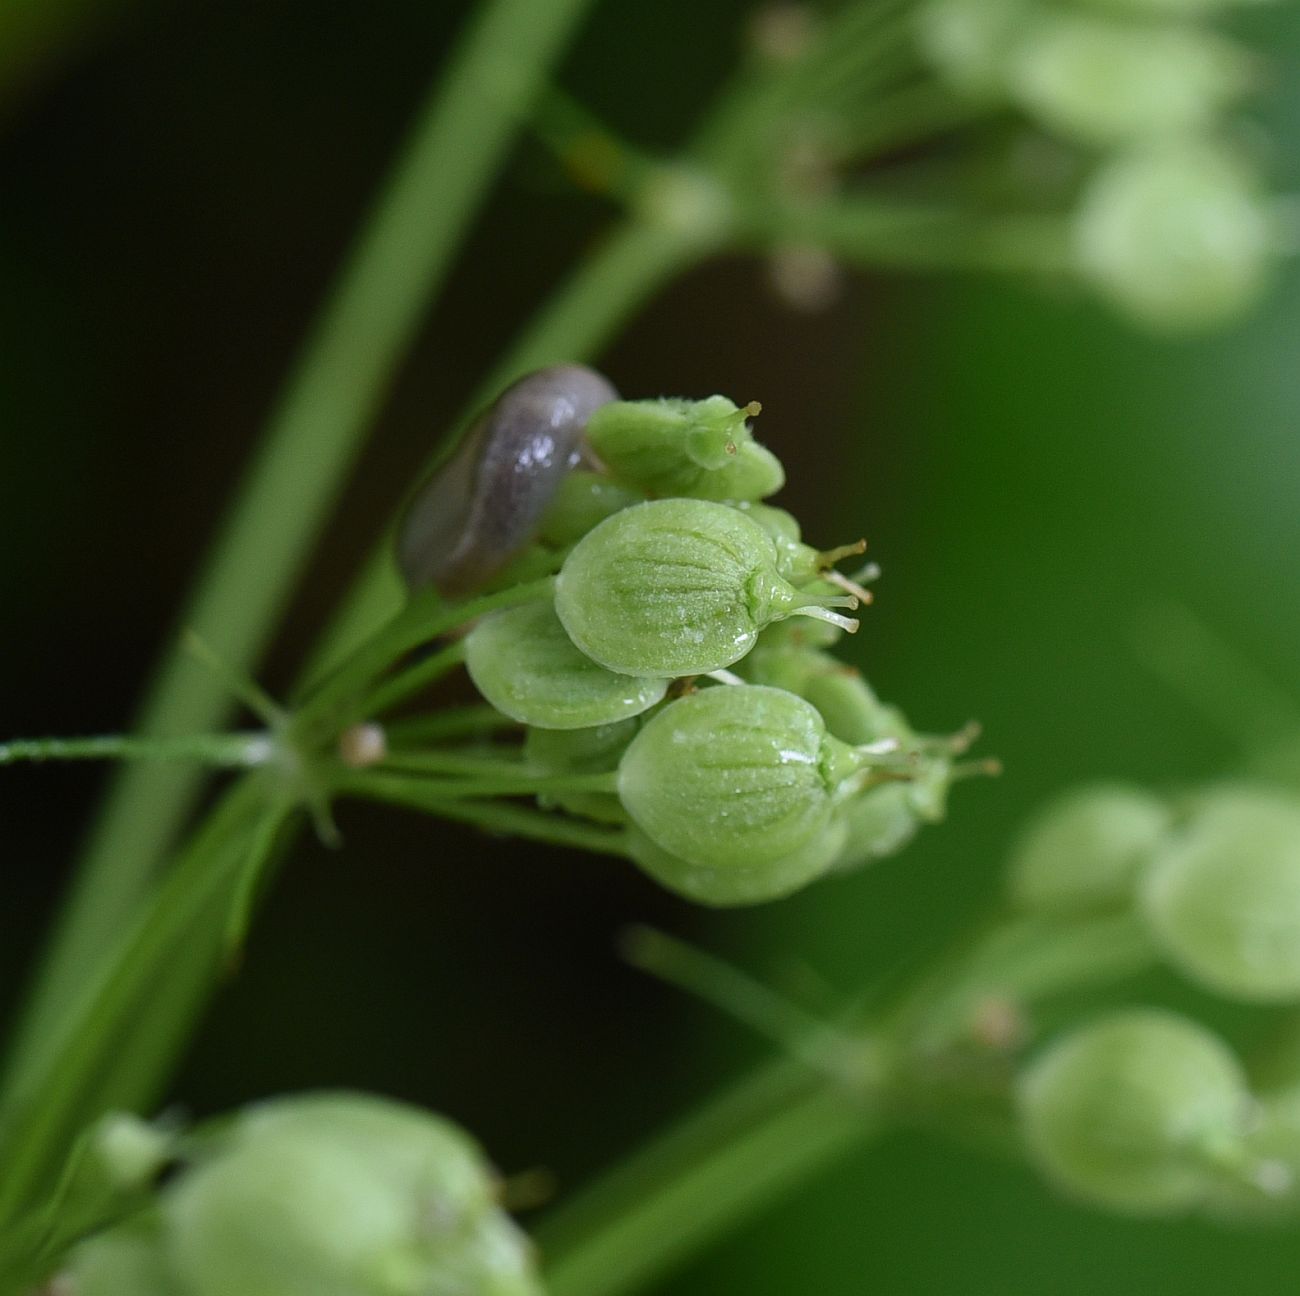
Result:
{"points": [[485, 503]]}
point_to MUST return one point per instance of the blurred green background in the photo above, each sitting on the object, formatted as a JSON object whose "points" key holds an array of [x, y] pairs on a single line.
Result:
{"points": [[177, 182]]}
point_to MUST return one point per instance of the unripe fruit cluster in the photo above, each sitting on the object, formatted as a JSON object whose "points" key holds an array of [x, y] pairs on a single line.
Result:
{"points": [[1171, 225], [734, 785], [328, 1194], [1215, 877]]}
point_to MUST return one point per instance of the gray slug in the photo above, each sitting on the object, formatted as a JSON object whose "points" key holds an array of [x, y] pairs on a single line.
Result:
{"points": [[482, 507]]}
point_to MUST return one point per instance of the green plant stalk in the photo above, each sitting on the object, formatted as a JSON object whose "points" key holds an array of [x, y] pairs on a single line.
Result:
{"points": [[788, 1121], [214, 750], [364, 329], [41, 1119], [734, 1180], [495, 816]]}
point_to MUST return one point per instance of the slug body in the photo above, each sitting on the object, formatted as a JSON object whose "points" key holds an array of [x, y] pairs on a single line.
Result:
{"points": [[483, 506]]}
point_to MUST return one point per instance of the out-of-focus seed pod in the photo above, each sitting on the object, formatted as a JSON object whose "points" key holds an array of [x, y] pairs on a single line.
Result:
{"points": [[124, 1261], [879, 823], [526, 666], [967, 41], [1105, 81], [483, 506], [736, 777], [731, 886], [1263, 1185], [1175, 234], [677, 587], [1086, 850], [1135, 1112], [581, 751], [342, 1195], [1223, 895], [697, 449]]}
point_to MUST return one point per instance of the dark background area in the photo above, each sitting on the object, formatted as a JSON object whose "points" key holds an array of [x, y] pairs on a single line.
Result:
{"points": [[177, 183]]}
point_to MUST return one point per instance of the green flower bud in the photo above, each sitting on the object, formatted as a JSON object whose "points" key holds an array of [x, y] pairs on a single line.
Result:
{"points": [[581, 500], [698, 449], [1176, 235], [581, 751], [342, 1195], [677, 587], [125, 1261], [522, 661], [736, 777], [1135, 1112], [731, 886], [1104, 81], [1086, 850], [1223, 896]]}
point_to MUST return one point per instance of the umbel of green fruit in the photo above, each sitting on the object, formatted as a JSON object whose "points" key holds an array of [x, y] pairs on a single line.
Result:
{"points": [[525, 664], [698, 449], [321, 1195], [1223, 895], [677, 587], [1137, 1112], [1086, 850], [737, 778]]}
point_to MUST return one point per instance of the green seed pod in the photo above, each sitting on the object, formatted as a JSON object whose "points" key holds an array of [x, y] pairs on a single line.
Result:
{"points": [[342, 1195], [1105, 81], [877, 823], [735, 777], [125, 1261], [581, 751], [698, 449], [1086, 850], [1135, 1112], [1223, 895], [677, 587], [581, 500], [1176, 235], [523, 663], [729, 887]]}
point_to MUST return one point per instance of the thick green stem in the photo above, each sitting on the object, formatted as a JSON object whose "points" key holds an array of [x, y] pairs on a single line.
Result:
{"points": [[230, 751], [397, 264], [495, 816], [714, 1173], [789, 1121], [43, 1114]]}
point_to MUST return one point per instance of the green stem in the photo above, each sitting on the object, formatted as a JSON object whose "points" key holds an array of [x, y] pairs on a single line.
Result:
{"points": [[788, 1121], [220, 751], [414, 679], [422, 619], [706, 1191], [454, 722], [495, 816], [400, 259], [44, 1114]]}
